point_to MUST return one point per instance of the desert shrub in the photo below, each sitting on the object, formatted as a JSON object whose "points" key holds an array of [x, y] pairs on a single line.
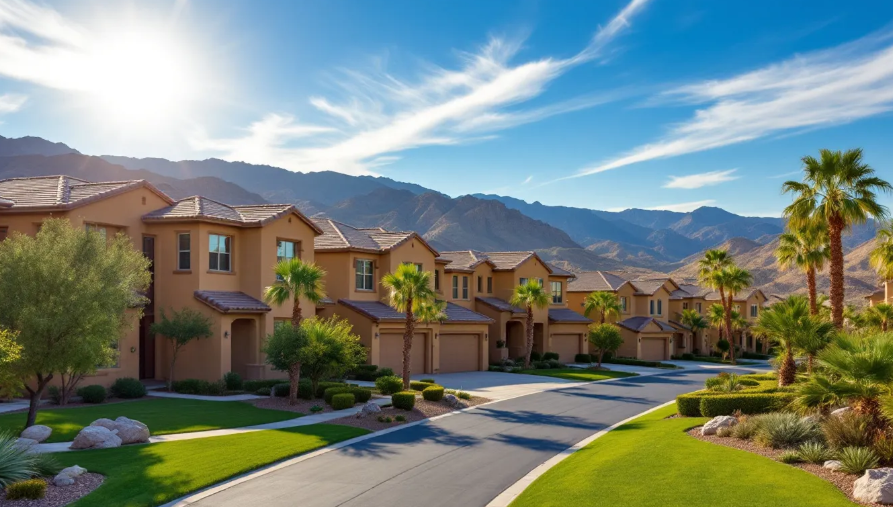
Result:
{"points": [[16, 463], [362, 395], [214, 388], [403, 400], [316, 409], [688, 405], [281, 390], [855, 460], [400, 418], [419, 385], [31, 489], [128, 388], [384, 372], [233, 381], [428, 381], [433, 393], [54, 394], [724, 383], [463, 395], [389, 385], [688, 356], [789, 457], [554, 364], [883, 447], [253, 385], [784, 429], [582, 358], [747, 403], [342, 401], [540, 365], [814, 452], [189, 386], [550, 356], [322, 386], [331, 392], [92, 394], [535, 356], [848, 430], [263, 391], [724, 432], [746, 428]]}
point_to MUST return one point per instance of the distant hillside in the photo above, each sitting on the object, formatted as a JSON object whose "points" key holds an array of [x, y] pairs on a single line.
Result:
{"points": [[28, 145], [578, 259]]}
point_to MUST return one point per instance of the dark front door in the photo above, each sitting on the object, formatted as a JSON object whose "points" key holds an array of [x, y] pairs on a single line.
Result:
{"points": [[147, 348]]}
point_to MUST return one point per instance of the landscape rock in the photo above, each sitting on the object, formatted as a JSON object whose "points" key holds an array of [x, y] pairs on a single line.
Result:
{"points": [[832, 464], [96, 437], [131, 431], [841, 411], [105, 423], [73, 471], [368, 409], [25, 443], [37, 432], [876, 486], [451, 400], [723, 421], [63, 480]]}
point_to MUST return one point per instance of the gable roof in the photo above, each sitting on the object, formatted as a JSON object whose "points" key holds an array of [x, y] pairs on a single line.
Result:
{"points": [[500, 304], [338, 236], [560, 315], [380, 312], [464, 260], [556, 271], [589, 281], [231, 301], [197, 207], [63, 192], [639, 324], [467, 260]]}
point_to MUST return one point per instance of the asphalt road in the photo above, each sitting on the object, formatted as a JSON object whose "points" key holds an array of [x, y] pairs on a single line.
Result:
{"points": [[463, 460]]}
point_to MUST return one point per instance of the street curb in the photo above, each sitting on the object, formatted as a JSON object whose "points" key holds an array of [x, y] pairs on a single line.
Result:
{"points": [[512, 492]]}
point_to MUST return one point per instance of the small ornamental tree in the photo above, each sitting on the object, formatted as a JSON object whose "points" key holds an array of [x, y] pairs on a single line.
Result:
{"points": [[182, 328], [65, 292], [284, 351], [330, 349], [605, 338], [10, 352]]}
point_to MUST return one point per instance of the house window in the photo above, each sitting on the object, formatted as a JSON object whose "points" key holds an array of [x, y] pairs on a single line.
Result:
{"points": [[540, 280], [97, 228], [489, 285], [4, 231], [698, 307], [364, 274], [556, 292], [651, 306], [660, 307], [455, 287], [480, 284], [753, 310], [684, 305], [436, 279], [286, 250], [464, 287], [523, 281], [737, 308], [184, 251], [220, 250], [623, 303]]}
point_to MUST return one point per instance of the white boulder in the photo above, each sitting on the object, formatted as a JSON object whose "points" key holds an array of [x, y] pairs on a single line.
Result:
{"points": [[37, 432], [73, 471], [876, 486], [723, 421], [63, 480], [832, 464], [131, 431], [68, 476], [96, 437], [368, 409], [105, 423], [24, 443], [841, 411]]}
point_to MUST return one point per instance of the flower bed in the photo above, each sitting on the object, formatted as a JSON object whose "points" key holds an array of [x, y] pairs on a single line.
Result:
{"points": [[423, 409]]}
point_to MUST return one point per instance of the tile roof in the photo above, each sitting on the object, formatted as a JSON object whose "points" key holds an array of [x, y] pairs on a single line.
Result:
{"points": [[556, 271], [231, 302], [686, 290], [879, 292], [466, 260], [648, 287], [202, 208], [63, 192], [456, 313], [500, 304], [566, 315], [340, 236], [640, 323], [589, 281], [380, 312]]}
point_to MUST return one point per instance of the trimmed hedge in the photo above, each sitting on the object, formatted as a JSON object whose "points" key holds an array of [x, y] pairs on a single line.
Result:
{"points": [[550, 356], [420, 385], [32, 489], [433, 393], [254, 385], [342, 401], [429, 381], [322, 386], [689, 405], [332, 391], [534, 356], [281, 390], [233, 381], [760, 376], [403, 400], [759, 403], [361, 394], [92, 394], [263, 391], [196, 386], [389, 385], [583, 358], [128, 388]]}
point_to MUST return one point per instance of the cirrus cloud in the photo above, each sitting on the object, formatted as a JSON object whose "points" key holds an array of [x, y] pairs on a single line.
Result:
{"points": [[701, 180]]}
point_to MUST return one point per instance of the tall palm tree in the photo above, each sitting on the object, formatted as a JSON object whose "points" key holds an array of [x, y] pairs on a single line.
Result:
{"points": [[694, 321], [881, 257], [838, 189], [605, 303], [529, 296], [735, 280], [782, 323], [805, 247], [710, 267], [814, 336], [880, 315], [296, 279], [409, 289], [431, 311], [716, 316]]}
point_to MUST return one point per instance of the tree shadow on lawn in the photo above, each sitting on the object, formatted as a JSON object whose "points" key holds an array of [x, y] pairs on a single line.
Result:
{"points": [[386, 446]]}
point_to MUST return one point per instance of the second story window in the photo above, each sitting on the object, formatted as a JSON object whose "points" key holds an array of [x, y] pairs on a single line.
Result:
{"points": [[364, 274], [489, 285], [184, 251], [660, 308], [220, 250], [623, 304], [556, 293], [698, 307], [436, 279], [464, 287], [684, 305], [651, 307], [455, 287], [286, 250], [753, 310], [480, 284]]}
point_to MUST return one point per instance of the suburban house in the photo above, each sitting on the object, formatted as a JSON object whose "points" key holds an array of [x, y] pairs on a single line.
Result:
{"points": [[206, 255], [884, 294]]}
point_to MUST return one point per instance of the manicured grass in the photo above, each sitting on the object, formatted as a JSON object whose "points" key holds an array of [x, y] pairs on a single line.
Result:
{"points": [[578, 374], [163, 416], [651, 461], [153, 474]]}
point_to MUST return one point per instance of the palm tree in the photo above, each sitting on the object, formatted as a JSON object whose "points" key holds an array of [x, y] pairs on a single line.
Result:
{"points": [[710, 267], [806, 248], [735, 280], [839, 190], [880, 315], [409, 289], [431, 311], [296, 279], [881, 257], [529, 296], [694, 321], [815, 335], [605, 303], [716, 316], [782, 322]]}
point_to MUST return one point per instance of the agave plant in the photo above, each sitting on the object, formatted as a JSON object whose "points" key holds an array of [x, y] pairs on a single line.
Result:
{"points": [[16, 463]]}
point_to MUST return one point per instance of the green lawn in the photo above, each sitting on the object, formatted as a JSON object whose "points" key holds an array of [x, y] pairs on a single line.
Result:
{"points": [[162, 415], [651, 461], [153, 474], [578, 374]]}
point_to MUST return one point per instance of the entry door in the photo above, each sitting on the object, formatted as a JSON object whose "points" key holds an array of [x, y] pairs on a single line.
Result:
{"points": [[147, 348]]}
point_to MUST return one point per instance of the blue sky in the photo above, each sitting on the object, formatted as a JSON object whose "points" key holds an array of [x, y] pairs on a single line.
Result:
{"points": [[607, 105]]}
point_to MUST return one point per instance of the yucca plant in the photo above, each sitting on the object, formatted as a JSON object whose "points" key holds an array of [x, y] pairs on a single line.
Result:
{"points": [[814, 452], [784, 429], [16, 463], [855, 460], [790, 457]]}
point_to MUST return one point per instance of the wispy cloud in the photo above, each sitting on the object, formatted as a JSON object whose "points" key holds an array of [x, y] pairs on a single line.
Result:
{"points": [[380, 115], [785, 175], [10, 102], [528, 180], [683, 206], [815, 90], [701, 180]]}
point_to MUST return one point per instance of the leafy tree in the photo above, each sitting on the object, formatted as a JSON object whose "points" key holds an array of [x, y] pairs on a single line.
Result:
{"points": [[296, 279], [65, 293], [839, 190], [606, 338], [694, 321], [409, 287], [723, 346], [10, 352], [330, 349], [881, 258], [805, 247], [529, 296], [606, 304], [284, 351], [879, 315], [182, 328], [783, 323]]}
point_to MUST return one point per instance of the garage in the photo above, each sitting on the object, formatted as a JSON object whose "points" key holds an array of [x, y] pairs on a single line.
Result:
{"points": [[567, 346], [391, 353], [654, 349], [459, 352]]}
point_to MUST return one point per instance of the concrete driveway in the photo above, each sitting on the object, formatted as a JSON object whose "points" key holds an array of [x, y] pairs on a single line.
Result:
{"points": [[496, 385]]}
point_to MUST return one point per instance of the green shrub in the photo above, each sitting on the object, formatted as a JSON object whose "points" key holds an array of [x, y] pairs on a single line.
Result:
{"points": [[322, 386], [790, 457], [746, 428], [747, 403], [263, 391], [281, 390], [428, 381], [342, 401], [331, 392], [433, 393], [54, 394], [583, 358], [417, 385], [688, 356], [253, 385], [540, 365], [32, 489], [760, 376], [92, 394], [233, 381], [848, 430], [384, 372], [463, 395], [389, 385], [16, 463], [784, 429], [403, 400], [688, 405], [855, 460], [550, 356], [361, 394], [724, 432], [814, 452], [400, 418], [535, 356], [554, 364], [214, 388], [316, 409], [128, 388], [189, 386]]}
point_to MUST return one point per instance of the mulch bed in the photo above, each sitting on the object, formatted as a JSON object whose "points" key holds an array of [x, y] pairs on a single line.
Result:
{"points": [[843, 481], [57, 496], [423, 410]]}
